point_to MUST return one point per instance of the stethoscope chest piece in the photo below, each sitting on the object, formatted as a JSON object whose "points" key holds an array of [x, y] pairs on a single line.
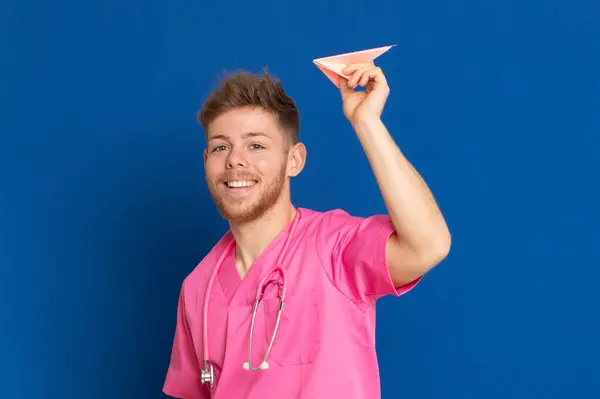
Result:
{"points": [[208, 375]]}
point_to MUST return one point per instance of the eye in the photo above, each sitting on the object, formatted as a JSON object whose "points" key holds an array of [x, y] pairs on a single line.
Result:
{"points": [[219, 148], [256, 146]]}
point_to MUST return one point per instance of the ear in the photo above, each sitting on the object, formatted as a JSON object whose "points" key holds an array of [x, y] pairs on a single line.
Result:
{"points": [[296, 160], [205, 156]]}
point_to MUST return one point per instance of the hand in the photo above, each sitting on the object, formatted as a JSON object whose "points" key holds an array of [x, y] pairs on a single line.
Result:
{"points": [[368, 104]]}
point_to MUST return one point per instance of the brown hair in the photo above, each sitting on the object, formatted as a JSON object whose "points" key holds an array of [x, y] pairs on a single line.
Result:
{"points": [[244, 89]]}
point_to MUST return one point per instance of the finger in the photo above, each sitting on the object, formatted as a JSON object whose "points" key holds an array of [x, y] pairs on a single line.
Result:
{"points": [[375, 75], [345, 90], [357, 76], [355, 67], [366, 76]]}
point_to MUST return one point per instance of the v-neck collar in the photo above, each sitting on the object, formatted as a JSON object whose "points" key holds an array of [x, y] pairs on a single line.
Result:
{"points": [[242, 291], [229, 279]]}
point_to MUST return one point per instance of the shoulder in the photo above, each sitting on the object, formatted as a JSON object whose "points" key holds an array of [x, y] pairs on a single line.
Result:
{"points": [[336, 223], [196, 280], [330, 219]]}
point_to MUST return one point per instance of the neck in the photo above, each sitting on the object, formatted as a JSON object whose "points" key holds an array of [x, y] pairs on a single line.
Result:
{"points": [[251, 239]]}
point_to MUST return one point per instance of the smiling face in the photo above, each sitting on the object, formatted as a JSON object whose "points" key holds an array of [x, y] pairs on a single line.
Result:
{"points": [[248, 162]]}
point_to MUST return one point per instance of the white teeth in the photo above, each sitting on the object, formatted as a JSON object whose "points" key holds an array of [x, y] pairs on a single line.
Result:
{"points": [[237, 184]]}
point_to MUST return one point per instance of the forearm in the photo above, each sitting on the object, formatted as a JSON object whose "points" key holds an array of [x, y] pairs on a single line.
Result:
{"points": [[410, 204]]}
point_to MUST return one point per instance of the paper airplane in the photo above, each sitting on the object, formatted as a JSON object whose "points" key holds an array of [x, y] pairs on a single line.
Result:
{"points": [[333, 66]]}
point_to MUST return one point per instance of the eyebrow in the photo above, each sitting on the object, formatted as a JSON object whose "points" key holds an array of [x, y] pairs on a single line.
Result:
{"points": [[245, 135]]}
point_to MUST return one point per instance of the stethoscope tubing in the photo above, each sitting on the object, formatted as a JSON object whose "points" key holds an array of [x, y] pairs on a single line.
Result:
{"points": [[283, 290]]}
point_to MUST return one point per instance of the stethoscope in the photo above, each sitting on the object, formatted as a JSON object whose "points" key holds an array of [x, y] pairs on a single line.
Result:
{"points": [[207, 374]]}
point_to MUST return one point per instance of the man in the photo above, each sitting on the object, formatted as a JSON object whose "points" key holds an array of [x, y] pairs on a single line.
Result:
{"points": [[335, 265]]}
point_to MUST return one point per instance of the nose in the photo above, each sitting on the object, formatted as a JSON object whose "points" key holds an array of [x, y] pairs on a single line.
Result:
{"points": [[236, 158]]}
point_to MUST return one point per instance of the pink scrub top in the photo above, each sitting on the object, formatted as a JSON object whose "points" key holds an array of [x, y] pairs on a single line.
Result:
{"points": [[325, 345]]}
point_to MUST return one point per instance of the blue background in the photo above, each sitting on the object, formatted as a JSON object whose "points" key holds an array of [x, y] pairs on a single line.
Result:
{"points": [[104, 209]]}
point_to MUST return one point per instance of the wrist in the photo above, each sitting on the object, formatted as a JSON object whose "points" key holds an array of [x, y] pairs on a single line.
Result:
{"points": [[366, 125]]}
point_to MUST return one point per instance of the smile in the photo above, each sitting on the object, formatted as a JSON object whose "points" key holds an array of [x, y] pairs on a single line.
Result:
{"points": [[240, 183]]}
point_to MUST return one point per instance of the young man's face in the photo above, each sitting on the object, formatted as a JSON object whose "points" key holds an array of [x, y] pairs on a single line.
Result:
{"points": [[248, 162]]}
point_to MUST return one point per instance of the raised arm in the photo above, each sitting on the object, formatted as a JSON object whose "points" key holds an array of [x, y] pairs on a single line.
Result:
{"points": [[421, 239]]}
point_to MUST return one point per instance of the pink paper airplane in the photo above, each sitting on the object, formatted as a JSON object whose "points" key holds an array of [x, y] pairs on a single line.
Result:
{"points": [[332, 66]]}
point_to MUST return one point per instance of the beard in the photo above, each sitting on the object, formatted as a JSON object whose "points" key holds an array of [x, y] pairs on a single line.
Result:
{"points": [[244, 210]]}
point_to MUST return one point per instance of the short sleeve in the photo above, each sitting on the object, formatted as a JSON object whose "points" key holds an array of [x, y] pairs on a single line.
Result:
{"points": [[353, 252], [183, 375]]}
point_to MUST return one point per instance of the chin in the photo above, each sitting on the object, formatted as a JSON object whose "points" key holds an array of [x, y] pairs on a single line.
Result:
{"points": [[239, 216], [240, 211], [247, 205]]}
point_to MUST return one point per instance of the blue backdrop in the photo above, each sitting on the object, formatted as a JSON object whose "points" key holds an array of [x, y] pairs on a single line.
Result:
{"points": [[104, 210]]}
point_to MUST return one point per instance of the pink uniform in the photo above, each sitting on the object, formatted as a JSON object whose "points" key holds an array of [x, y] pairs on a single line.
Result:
{"points": [[325, 345]]}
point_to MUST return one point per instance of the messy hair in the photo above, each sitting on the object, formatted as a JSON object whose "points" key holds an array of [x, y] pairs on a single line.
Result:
{"points": [[244, 89]]}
